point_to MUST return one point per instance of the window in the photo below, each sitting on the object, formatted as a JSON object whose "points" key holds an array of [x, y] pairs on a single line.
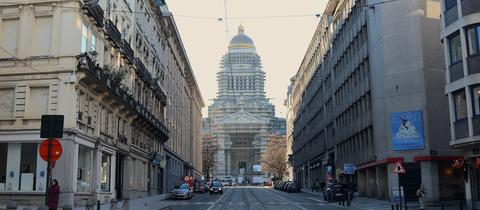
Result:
{"points": [[10, 37], [450, 3], [460, 104], [7, 100], [3, 166], [83, 47], [38, 101], [455, 48], [93, 41], [473, 40], [84, 170], [105, 173], [28, 166], [42, 36], [89, 40], [476, 100]]}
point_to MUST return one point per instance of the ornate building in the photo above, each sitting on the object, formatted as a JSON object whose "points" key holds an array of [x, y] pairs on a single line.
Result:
{"points": [[241, 117]]}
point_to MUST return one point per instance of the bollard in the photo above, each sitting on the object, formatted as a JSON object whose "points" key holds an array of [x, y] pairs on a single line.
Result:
{"points": [[113, 204], [12, 205], [397, 207], [442, 205], [461, 205], [393, 207], [98, 204]]}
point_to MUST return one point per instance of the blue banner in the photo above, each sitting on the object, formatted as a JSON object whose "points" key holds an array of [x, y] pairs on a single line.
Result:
{"points": [[407, 131]]}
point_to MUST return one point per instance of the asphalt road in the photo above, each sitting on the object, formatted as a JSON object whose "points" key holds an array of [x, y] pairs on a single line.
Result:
{"points": [[252, 198]]}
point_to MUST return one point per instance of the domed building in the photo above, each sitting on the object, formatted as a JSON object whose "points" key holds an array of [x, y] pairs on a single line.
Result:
{"points": [[241, 117]]}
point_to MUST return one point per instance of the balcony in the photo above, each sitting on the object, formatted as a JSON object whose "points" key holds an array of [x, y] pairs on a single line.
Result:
{"points": [[147, 77], [94, 11], [461, 129], [473, 63], [105, 82], [470, 7], [128, 52], [456, 71], [451, 15], [113, 34]]}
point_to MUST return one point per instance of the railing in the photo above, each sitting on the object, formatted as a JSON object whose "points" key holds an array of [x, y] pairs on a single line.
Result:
{"points": [[461, 129], [451, 15], [456, 71], [473, 63], [113, 33], [470, 7], [127, 50], [96, 12], [147, 77]]}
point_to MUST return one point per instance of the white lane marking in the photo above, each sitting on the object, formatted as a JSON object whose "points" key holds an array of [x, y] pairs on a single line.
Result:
{"points": [[281, 197], [221, 197], [314, 199]]}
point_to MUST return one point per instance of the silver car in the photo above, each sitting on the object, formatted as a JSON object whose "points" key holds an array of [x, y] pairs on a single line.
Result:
{"points": [[182, 191]]}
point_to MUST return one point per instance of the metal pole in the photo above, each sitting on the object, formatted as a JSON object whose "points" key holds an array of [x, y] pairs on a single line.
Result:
{"points": [[49, 170], [399, 192]]}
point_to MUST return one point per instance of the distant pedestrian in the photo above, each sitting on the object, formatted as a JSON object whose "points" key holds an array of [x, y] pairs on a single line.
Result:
{"points": [[421, 193], [53, 195], [317, 185]]}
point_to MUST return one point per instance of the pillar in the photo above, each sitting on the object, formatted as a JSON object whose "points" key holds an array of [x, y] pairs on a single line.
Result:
{"points": [[127, 166], [65, 171], [429, 171]]}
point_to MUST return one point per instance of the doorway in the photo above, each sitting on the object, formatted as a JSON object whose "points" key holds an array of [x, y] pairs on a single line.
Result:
{"points": [[119, 176], [411, 180]]}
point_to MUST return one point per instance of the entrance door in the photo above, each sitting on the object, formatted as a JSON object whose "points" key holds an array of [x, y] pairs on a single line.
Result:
{"points": [[411, 180], [119, 176], [160, 181]]}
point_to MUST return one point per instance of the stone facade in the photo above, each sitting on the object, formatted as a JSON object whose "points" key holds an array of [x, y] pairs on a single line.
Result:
{"points": [[118, 72], [360, 75]]}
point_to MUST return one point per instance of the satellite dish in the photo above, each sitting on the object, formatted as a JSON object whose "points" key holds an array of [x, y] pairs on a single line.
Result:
{"points": [[91, 2]]}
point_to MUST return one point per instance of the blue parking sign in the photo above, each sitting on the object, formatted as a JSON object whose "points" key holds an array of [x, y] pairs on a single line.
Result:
{"points": [[349, 168]]}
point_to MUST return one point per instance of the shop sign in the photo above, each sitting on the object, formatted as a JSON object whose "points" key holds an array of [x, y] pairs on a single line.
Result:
{"points": [[407, 130], [349, 168], [156, 158]]}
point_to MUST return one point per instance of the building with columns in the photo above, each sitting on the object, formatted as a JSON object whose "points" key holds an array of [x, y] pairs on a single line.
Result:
{"points": [[118, 72], [241, 117], [460, 35]]}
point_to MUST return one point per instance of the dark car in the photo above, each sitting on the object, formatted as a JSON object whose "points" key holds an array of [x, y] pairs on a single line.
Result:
{"points": [[216, 187], [182, 191], [200, 186], [333, 192], [293, 187]]}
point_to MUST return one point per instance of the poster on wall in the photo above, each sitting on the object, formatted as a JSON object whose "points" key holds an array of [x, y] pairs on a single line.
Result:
{"points": [[257, 168], [407, 131]]}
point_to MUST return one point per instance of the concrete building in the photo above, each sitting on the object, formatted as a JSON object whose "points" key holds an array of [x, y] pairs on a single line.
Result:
{"points": [[107, 66], [370, 94], [241, 117], [460, 34]]}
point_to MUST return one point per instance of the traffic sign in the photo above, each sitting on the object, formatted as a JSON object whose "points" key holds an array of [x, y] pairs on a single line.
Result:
{"points": [[349, 168], [186, 178], [51, 126], [399, 169], [56, 150]]}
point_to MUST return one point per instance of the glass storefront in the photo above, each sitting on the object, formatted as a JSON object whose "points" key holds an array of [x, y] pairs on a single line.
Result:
{"points": [[3, 166], [84, 170], [105, 172], [28, 166]]}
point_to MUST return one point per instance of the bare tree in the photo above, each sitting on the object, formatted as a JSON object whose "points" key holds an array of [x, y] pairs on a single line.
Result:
{"points": [[208, 158], [274, 160]]}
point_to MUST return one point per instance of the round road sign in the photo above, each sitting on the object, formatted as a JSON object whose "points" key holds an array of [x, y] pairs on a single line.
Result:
{"points": [[55, 152], [186, 178]]}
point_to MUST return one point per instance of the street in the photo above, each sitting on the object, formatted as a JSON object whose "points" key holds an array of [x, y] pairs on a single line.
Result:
{"points": [[252, 198]]}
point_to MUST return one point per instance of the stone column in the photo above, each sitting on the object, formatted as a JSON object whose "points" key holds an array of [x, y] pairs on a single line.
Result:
{"points": [[127, 173], [431, 180], [65, 171]]}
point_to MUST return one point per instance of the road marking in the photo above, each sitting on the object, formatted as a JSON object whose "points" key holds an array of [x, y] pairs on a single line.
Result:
{"points": [[221, 197], [281, 197], [314, 199]]}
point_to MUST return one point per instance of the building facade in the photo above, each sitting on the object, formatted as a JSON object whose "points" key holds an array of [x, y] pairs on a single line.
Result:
{"points": [[460, 34], [370, 95], [107, 67], [241, 117]]}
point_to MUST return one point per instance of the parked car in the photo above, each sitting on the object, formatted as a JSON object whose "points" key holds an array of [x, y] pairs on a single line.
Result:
{"points": [[182, 191], [333, 192], [285, 185], [293, 187], [277, 185], [200, 186], [216, 187]]}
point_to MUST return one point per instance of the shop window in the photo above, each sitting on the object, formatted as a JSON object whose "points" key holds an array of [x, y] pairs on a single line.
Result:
{"points": [[28, 166], [3, 165], [476, 100], [7, 100], [460, 101], [473, 40], [84, 170], [105, 173], [455, 48]]}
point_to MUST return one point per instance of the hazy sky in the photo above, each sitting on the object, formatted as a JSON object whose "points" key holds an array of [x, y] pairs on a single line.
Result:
{"points": [[281, 42]]}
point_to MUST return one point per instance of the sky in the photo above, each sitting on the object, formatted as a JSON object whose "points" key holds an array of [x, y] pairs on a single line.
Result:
{"points": [[280, 29]]}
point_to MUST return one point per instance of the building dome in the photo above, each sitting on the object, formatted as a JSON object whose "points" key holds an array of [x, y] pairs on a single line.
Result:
{"points": [[241, 40]]}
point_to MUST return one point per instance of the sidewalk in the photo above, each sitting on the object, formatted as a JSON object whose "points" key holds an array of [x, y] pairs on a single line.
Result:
{"points": [[148, 203], [363, 203]]}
